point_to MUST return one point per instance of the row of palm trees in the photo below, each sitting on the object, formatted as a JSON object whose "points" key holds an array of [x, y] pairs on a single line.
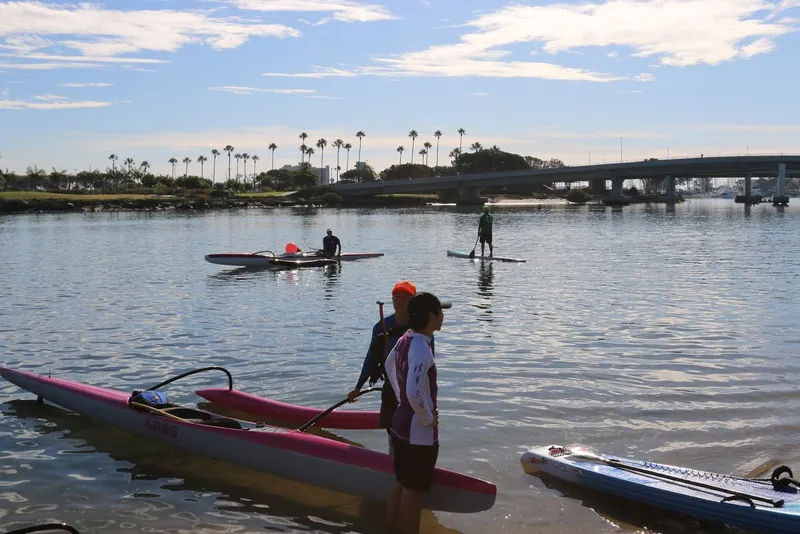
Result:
{"points": [[305, 151]]}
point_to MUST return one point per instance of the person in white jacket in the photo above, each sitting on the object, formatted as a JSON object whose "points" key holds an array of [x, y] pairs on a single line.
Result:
{"points": [[411, 370]]}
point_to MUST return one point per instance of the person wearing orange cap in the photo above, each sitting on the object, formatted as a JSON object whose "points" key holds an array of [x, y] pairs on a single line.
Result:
{"points": [[395, 326]]}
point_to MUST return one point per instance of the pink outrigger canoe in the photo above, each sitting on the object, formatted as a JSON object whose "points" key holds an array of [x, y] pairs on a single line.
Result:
{"points": [[286, 453], [290, 413]]}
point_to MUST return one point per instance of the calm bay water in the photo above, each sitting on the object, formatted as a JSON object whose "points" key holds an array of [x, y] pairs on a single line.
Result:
{"points": [[661, 333]]}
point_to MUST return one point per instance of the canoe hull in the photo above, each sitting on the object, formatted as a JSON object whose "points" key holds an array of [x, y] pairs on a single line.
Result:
{"points": [[478, 257], [290, 413], [246, 259], [289, 454], [681, 497]]}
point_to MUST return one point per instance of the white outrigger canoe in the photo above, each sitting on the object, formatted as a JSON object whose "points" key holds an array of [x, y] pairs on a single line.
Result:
{"points": [[291, 454], [266, 258], [459, 254]]}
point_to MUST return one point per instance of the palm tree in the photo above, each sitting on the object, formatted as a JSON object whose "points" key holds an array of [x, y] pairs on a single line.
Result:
{"points": [[303, 136], [173, 161], [303, 151], [309, 153], [238, 158], [229, 149], [428, 147], [255, 160], [201, 160], [347, 146], [338, 144], [400, 150], [129, 162], [360, 135], [113, 158], [214, 153], [144, 166], [422, 153], [272, 147], [413, 135], [186, 161], [476, 146], [461, 132], [437, 134], [245, 157], [454, 154], [321, 144]]}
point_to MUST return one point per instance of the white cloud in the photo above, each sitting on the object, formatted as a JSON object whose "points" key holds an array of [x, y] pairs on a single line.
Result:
{"points": [[99, 35], [319, 72], [88, 84], [677, 32], [237, 90], [50, 66], [50, 102], [343, 10]]}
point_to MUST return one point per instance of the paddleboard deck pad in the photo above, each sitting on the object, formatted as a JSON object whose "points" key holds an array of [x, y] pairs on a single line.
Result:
{"points": [[459, 254], [754, 504]]}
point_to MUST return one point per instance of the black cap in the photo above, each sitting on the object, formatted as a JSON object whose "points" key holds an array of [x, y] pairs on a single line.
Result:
{"points": [[423, 303]]}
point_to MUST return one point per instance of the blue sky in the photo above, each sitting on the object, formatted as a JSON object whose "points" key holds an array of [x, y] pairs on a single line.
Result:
{"points": [[154, 79]]}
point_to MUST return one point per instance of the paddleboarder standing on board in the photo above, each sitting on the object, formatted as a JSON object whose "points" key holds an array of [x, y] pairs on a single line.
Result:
{"points": [[411, 372], [385, 334], [329, 244], [485, 230]]}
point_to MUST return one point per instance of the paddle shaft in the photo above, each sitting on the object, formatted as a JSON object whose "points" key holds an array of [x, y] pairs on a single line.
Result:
{"points": [[644, 471], [472, 253], [329, 410], [44, 527]]}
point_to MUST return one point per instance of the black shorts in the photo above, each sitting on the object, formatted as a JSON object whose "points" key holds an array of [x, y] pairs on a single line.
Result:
{"points": [[486, 238], [388, 405], [414, 464]]}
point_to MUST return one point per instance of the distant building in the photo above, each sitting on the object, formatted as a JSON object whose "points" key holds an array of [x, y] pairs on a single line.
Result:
{"points": [[360, 165], [323, 173]]}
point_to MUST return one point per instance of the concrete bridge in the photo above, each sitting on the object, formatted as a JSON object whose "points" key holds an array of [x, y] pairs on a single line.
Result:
{"points": [[469, 185]]}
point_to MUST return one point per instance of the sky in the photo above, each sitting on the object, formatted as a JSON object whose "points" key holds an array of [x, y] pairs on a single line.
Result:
{"points": [[582, 81]]}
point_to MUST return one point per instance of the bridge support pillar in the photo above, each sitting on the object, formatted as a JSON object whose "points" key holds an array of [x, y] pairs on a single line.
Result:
{"points": [[470, 196], [616, 198], [780, 198], [597, 187], [748, 197], [671, 195]]}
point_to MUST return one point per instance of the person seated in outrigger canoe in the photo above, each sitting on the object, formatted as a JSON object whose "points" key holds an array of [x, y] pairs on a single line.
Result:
{"points": [[394, 326], [329, 244]]}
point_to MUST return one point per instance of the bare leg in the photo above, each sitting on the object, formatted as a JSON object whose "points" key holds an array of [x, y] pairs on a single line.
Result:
{"points": [[392, 508], [483, 245], [409, 511], [491, 250]]}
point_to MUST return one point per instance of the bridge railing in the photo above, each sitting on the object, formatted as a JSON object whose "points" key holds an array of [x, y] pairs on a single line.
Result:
{"points": [[607, 161]]}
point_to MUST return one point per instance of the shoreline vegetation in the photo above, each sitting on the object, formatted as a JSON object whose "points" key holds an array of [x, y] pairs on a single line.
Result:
{"points": [[131, 187]]}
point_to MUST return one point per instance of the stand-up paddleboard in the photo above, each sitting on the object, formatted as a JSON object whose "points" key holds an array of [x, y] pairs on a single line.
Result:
{"points": [[459, 254], [304, 259], [764, 505]]}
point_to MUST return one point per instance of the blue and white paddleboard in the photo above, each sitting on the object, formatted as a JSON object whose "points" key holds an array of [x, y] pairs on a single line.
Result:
{"points": [[759, 505], [478, 257]]}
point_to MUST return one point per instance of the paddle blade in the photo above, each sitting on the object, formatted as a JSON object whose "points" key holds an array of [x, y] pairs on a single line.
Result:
{"points": [[472, 254]]}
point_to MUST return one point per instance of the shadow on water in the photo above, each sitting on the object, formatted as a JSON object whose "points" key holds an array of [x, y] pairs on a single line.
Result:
{"points": [[284, 504], [634, 515]]}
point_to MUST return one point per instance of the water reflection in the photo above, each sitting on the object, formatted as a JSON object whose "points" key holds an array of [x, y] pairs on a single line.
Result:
{"points": [[485, 290]]}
